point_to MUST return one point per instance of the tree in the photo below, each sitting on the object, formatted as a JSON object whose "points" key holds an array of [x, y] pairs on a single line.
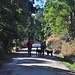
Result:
{"points": [[13, 13], [71, 3], [57, 16], [39, 24]]}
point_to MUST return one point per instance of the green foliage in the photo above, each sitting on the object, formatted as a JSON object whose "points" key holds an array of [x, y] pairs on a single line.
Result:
{"points": [[69, 65], [56, 17], [65, 35], [59, 15], [74, 40], [39, 24], [13, 14], [73, 59]]}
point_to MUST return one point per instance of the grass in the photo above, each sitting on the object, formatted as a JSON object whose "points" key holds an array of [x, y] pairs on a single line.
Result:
{"points": [[71, 66], [73, 59]]}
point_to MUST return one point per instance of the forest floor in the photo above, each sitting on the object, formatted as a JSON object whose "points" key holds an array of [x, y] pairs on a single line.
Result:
{"points": [[20, 64]]}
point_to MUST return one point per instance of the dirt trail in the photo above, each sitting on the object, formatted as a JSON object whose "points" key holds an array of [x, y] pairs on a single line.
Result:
{"points": [[34, 65]]}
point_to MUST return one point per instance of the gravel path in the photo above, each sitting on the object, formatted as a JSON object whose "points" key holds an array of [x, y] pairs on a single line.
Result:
{"points": [[34, 65]]}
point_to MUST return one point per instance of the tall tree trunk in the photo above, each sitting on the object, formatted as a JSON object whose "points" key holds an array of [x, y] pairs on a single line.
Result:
{"points": [[71, 18], [72, 25], [5, 45]]}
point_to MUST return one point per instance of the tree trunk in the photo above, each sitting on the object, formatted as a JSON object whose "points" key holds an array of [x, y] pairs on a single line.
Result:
{"points": [[5, 45], [72, 24]]}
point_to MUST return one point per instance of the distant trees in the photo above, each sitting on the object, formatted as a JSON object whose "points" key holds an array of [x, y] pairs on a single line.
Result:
{"points": [[39, 24], [16, 21], [14, 16]]}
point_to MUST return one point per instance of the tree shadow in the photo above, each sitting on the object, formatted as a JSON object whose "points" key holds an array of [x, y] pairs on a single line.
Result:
{"points": [[36, 65], [44, 70], [24, 53]]}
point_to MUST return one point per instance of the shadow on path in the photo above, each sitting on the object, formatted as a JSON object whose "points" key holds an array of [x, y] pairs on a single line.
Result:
{"points": [[35, 65]]}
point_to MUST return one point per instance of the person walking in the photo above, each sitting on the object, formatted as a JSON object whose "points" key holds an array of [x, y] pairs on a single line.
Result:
{"points": [[29, 44], [43, 46]]}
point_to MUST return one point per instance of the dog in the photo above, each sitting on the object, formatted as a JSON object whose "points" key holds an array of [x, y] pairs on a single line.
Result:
{"points": [[38, 52], [49, 52]]}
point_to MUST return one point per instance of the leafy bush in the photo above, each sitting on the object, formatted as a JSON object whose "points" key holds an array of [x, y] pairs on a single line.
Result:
{"points": [[74, 40], [17, 48], [65, 35], [69, 65]]}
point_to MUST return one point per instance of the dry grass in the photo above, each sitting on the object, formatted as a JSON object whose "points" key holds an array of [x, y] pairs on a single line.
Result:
{"points": [[58, 45], [52, 38], [68, 49], [53, 42], [23, 43]]}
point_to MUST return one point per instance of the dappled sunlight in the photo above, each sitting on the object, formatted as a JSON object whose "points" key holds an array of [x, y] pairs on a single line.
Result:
{"points": [[44, 29], [40, 62], [24, 49], [34, 60], [35, 65], [32, 48]]}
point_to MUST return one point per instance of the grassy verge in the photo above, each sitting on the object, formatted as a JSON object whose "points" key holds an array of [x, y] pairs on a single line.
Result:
{"points": [[71, 66]]}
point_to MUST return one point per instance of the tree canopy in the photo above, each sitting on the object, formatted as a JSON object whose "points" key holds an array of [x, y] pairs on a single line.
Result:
{"points": [[59, 15], [17, 21], [14, 17]]}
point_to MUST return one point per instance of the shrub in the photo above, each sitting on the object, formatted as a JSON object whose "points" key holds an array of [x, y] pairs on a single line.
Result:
{"points": [[74, 40], [54, 42], [65, 35], [68, 49]]}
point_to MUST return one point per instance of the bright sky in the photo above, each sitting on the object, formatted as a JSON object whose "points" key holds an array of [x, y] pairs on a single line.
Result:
{"points": [[41, 4]]}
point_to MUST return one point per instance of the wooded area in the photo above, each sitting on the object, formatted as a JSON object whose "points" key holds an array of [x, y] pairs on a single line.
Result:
{"points": [[17, 23]]}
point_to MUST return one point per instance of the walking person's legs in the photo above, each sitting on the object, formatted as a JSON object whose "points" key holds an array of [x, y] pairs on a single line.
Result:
{"points": [[43, 51], [29, 52]]}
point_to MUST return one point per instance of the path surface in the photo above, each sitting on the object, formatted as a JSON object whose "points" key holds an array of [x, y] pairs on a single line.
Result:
{"points": [[34, 65]]}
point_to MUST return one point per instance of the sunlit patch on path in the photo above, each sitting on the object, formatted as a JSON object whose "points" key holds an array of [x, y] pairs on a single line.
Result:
{"points": [[40, 61]]}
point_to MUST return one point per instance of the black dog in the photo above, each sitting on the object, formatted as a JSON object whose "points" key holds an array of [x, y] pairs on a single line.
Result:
{"points": [[51, 52], [38, 52]]}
